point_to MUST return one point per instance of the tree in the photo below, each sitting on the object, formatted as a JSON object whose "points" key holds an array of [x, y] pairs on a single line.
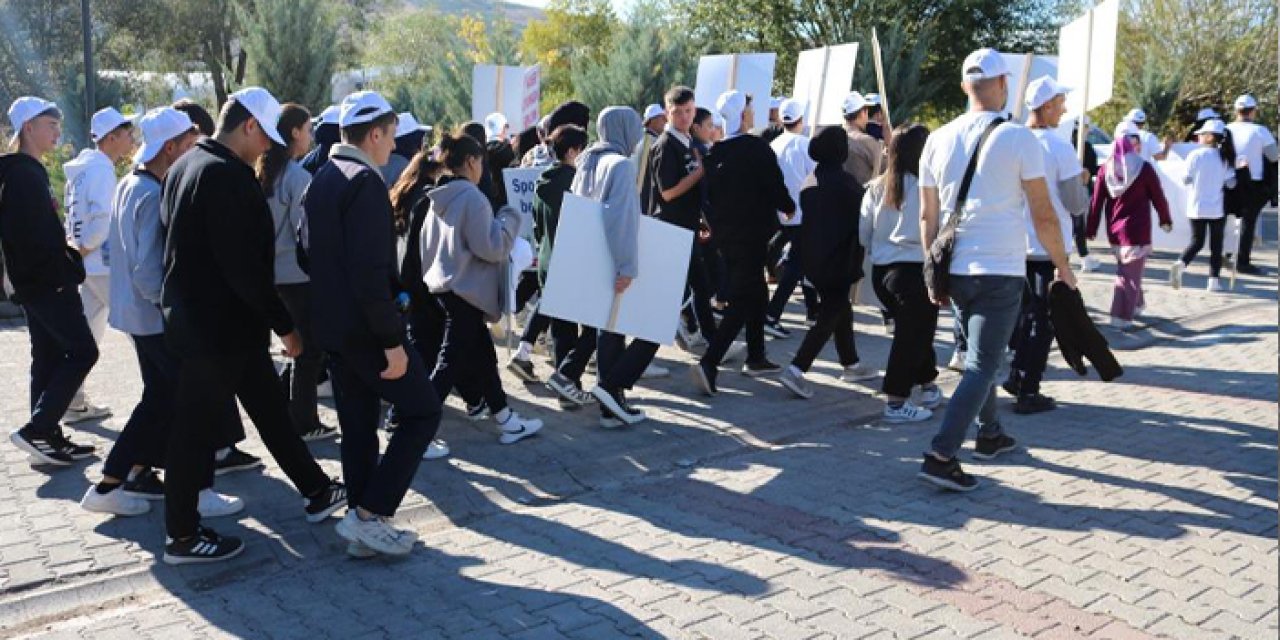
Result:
{"points": [[421, 62], [648, 58], [572, 30], [290, 48], [903, 62]]}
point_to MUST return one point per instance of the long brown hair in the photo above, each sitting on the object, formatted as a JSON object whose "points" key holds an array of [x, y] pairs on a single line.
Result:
{"points": [[904, 157], [423, 170], [271, 164]]}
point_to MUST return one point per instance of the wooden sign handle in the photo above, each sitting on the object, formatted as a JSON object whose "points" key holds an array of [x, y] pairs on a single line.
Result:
{"points": [[613, 313]]}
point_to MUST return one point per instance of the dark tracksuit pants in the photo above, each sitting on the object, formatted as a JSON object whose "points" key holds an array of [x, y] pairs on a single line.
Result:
{"points": [[901, 289], [574, 346], [835, 319], [426, 333], [1033, 337], [1214, 230], [306, 367], [699, 289], [63, 352], [468, 360], [790, 275], [619, 364], [748, 297], [1258, 196]]}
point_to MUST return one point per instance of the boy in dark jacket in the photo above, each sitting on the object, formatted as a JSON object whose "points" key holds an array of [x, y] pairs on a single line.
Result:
{"points": [[44, 272], [746, 192], [353, 276], [831, 200]]}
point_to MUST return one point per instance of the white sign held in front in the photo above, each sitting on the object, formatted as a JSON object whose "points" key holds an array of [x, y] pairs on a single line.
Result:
{"points": [[1087, 57], [580, 278], [824, 76], [512, 91], [1173, 171], [750, 73], [519, 184]]}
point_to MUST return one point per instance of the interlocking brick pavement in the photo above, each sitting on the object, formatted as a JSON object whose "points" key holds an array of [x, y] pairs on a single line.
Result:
{"points": [[1141, 508]]}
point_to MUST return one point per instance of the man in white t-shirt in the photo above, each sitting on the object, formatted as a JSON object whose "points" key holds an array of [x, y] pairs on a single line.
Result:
{"points": [[988, 265], [792, 149], [1253, 142], [1151, 149], [1046, 101]]}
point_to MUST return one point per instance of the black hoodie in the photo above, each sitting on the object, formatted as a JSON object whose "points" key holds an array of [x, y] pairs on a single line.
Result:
{"points": [[832, 201], [37, 258]]}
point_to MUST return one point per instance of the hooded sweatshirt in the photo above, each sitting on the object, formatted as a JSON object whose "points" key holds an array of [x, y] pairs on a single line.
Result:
{"points": [[466, 248], [37, 259], [91, 185], [832, 257], [607, 174], [548, 194]]}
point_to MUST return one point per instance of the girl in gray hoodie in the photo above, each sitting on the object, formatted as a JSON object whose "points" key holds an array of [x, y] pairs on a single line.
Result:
{"points": [[466, 253]]}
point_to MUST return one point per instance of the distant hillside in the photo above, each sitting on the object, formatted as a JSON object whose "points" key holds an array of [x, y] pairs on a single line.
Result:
{"points": [[518, 14]]}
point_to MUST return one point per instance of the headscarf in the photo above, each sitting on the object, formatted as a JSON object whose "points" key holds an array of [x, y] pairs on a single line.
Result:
{"points": [[1123, 167], [731, 105], [620, 130]]}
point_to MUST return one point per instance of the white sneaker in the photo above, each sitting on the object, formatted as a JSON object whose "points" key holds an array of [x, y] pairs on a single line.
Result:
{"points": [[655, 371], [85, 412], [931, 396], [114, 502], [795, 382], [858, 371], [1090, 263], [1121, 324], [324, 389], [516, 428], [375, 535], [906, 413], [957, 361], [1175, 274], [216, 505], [1215, 285], [436, 450], [736, 351]]}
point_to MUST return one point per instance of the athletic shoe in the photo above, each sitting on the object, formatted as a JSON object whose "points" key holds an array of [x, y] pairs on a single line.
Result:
{"points": [[236, 460], [375, 534], [1175, 274], [359, 551], [736, 351], [857, 372], [42, 449], [610, 421], [517, 428], [1249, 270], [704, 378], [522, 368], [1121, 324], [216, 505], [760, 369], [1029, 403], [568, 390], [947, 475], [906, 413], [115, 502], [436, 450], [775, 329], [988, 448], [324, 389], [146, 485], [327, 502], [795, 382], [1090, 263], [690, 342], [321, 432], [204, 547], [615, 403], [1214, 285], [478, 412], [655, 371], [85, 412], [957, 361], [930, 396]]}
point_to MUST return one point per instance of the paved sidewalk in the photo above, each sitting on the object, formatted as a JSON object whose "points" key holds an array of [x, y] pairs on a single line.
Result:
{"points": [[1142, 508]]}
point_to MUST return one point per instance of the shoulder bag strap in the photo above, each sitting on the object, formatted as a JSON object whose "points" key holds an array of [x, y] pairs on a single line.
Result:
{"points": [[958, 210]]}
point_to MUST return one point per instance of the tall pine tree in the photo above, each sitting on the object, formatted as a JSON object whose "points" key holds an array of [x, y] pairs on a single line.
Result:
{"points": [[290, 46]]}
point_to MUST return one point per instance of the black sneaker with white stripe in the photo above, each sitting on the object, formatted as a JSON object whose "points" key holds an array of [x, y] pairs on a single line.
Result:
{"points": [[146, 485], [236, 460], [327, 502], [53, 448], [204, 547]]}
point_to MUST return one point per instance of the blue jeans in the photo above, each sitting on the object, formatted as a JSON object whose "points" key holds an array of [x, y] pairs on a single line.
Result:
{"points": [[987, 307], [63, 352]]}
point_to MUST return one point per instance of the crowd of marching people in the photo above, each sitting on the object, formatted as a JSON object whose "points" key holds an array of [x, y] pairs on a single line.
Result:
{"points": [[379, 255]]}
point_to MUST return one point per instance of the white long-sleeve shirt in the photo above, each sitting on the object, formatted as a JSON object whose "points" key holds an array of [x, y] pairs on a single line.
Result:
{"points": [[793, 158], [91, 186]]}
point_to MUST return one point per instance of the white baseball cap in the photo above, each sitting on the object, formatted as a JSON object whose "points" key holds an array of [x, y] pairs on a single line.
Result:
{"points": [[873, 99], [329, 115], [1206, 114], [28, 108], [494, 124], [1125, 129], [983, 64], [1246, 101], [1212, 125], [264, 108], [731, 105], [408, 124], [853, 103], [159, 126], [1137, 116], [362, 107], [791, 110], [652, 111], [104, 121], [1042, 90], [775, 102]]}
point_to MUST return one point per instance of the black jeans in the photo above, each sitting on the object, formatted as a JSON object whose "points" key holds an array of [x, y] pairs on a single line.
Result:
{"points": [[1254, 201], [206, 384], [534, 327], [145, 437], [835, 319], [901, 289], [468, 360], [620, 365], [306, 367], [748, 296], [376, 484], [426, 333], [790, 275], [1033, 337], [574, 346], [1214, 230], [63, 352], [698, 288]]}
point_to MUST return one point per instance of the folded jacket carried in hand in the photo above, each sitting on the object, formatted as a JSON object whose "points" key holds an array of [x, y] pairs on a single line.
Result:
{"points": [[1077, 337]]}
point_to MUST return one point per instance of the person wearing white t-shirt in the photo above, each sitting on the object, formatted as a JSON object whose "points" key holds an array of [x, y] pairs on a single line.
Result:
{"points": [[988, 265], [1210, 169], [792, 149], [1253, 142], [1046, 100]]}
